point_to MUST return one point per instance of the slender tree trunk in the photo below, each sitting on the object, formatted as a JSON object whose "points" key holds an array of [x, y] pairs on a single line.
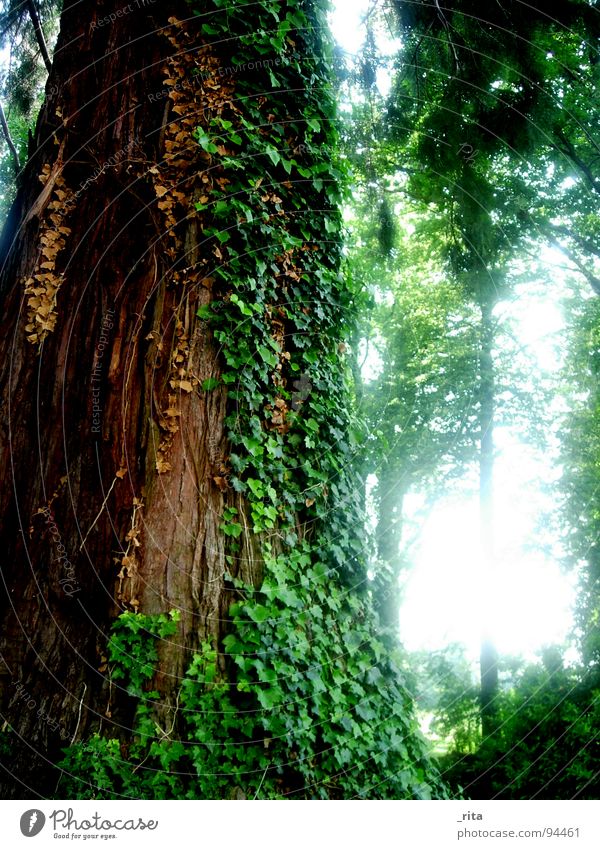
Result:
{"points": [[39, 33], [8, 138], [489, 656], [111, 454], [388, 535]]}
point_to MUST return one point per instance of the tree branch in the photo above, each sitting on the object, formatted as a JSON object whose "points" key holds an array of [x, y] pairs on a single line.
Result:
{"points": [[585, 244], [568, 149], [11, 145], [589, 275], [35, 20], [448, 29]]}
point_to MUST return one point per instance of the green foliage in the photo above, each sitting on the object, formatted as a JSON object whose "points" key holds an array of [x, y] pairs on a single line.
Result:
{"points": [[18, 126], [546, 745], [282, 310], [422, 406], [25, 71], [498, 109], [312, 705], [449, 696], [132, 649], [546, 739]]}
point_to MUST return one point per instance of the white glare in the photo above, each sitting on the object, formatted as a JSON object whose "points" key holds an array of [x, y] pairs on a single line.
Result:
{"points": [[346, 20]]}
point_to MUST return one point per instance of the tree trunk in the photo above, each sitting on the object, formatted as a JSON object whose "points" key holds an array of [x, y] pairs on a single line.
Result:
{"points": [[111, 454], [489, 656]]}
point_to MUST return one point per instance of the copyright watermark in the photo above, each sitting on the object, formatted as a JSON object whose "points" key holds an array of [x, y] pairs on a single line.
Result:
{"points": [[122, 13]]}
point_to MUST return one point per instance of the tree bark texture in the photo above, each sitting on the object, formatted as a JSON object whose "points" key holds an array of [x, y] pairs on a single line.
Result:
{"points": [[112, 456]]}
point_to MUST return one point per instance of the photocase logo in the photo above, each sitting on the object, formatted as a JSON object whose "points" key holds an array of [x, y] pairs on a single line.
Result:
{"points": [[32, 822]]}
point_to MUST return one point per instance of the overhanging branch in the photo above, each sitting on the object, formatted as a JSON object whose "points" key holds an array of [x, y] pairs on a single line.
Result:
{"points": [[11, 145]]}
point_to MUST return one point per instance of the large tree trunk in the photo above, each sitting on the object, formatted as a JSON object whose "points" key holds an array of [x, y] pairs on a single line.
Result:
{"points": [[109, 447]]}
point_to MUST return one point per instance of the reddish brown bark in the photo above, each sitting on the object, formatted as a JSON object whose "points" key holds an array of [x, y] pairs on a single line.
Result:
{"points": [[117, 507]]}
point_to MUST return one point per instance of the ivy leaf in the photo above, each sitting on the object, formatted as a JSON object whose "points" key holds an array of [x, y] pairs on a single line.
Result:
{"points": [[268, 698], [204, 312], [256, 487], [273, 155], [266, 674], [268, 356], [253, 445], [243, 307], [232, 645], [233, 529], [205, 142], [258, 613]]}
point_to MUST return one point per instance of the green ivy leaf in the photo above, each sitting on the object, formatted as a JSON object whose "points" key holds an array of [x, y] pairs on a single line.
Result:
{"points": [[273, 155], [258, 613]]}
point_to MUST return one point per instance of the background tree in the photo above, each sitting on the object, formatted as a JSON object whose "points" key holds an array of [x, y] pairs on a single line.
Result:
{"points": [[418, 399], [579, 482]]}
